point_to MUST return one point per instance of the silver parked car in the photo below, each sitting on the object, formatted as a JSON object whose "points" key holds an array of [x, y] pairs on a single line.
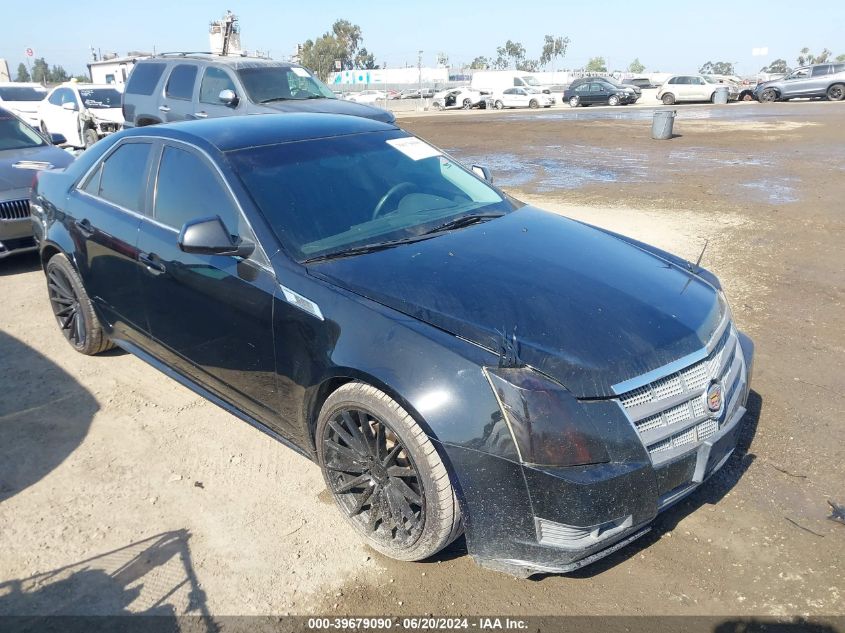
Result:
{"points": [[23, 152], [807, 82]]}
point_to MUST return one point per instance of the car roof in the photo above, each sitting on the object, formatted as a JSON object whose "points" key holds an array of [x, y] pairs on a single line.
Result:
{"points": [[21, 84], [232, 61], [239, 132]]}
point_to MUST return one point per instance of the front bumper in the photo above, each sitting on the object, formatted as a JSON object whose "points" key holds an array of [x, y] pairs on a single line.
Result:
{"points": [[562, 519], [15, 228]]}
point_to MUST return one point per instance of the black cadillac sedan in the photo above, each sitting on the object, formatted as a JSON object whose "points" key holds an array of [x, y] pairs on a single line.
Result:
{"points": [[452, 359]]}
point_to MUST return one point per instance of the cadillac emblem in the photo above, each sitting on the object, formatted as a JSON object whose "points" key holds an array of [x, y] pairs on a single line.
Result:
{"points": [[714, 397]]}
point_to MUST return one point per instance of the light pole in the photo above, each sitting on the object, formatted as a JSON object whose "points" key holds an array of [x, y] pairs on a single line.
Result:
{"points": [[419, 73]]}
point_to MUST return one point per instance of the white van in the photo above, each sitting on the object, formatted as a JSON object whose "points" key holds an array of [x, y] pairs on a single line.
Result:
{"points": [[500, 80]]}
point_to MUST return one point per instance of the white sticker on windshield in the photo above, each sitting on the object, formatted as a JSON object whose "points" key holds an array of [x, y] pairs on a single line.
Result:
{"points": [[299, 71], [414, 148]]}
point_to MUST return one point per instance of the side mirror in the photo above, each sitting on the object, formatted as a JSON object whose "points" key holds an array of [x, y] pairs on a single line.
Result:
{"points": [[482, 172], [228, 97], [209, 236], [67, 105], [57, 139]]}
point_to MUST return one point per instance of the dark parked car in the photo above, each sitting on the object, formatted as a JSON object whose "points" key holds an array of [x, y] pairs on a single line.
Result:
{"points": [[598, 91], [452, 359], [640, 82], [184, 86], [818, 81], [23, 153], [609, 80]]}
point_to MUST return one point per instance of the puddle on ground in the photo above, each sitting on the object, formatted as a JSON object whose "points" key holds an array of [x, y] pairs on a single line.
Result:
{"points": [[773, 190]]}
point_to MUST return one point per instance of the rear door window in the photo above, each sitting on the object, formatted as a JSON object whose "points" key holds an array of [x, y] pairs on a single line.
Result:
{"points": [[180, 84], [144, 78], [820, 71], [123, 179]]}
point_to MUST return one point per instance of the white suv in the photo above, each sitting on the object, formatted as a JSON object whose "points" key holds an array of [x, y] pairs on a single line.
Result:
{"points": [[82, 113], [693, 88]]}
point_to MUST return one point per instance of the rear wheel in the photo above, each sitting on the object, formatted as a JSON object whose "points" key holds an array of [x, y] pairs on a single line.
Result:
{"points": [[72, 308], [768, 95], [668, 99], [574, 102], [385, 475], [836, 92]]}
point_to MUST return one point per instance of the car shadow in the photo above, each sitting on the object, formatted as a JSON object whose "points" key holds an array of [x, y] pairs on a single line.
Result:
{"points": [[44, 415], [759, 625], [707, 494], [17, 264], [150, 577]]}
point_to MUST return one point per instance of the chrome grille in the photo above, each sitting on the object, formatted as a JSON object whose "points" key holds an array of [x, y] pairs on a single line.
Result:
{"points": [[670, 413], [14, 210]]}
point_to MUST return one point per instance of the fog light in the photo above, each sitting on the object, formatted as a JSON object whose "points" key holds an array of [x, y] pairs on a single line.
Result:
{"points": [[573, 537]]}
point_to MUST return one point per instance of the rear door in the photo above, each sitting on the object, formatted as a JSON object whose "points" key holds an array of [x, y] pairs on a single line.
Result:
{"points": [[178, 103], [210, 316], [107, 206], [816, 85]]}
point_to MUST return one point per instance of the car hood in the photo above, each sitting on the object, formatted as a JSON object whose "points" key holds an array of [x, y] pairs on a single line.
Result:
{"points": [[29, 107], [332, 106], [17, 177], [586, 308]]}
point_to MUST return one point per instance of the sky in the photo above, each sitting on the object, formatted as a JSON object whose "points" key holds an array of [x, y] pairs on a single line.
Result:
{"points": [[667, 36]]}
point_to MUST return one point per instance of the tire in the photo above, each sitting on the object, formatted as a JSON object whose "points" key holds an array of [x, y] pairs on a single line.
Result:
{"points": [[437, 106], [467, 104], [533, 104], [613, 100], [668, 99], [499, 105], [769, 95], [574, 102], [89, 137], [836, 92], [360, 432], [72, 308]]}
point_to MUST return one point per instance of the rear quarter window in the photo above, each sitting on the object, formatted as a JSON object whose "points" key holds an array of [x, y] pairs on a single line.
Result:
{"points": [[144, 78]]}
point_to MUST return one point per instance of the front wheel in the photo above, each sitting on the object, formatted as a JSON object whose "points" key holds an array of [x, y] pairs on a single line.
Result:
{"points": [[533, 104], [836, 92], [499, 105], [385, 475], [768, 95], [614, 100], [668, 99], [72, 308], [89, 137], [467, 104]]}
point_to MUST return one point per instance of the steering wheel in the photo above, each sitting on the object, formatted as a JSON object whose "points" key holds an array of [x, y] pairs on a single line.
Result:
{"points": [[391, 193]]}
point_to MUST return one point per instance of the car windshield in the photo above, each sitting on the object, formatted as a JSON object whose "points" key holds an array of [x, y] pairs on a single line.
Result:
{"points": [[710, 80], [324, 197], [264, 84], [99, 98], [14, 134], [22, 93]]}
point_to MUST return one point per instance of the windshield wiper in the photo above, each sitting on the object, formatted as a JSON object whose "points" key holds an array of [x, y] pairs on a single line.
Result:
{"points": [[276, 99], [462, 221], [367, 248]]}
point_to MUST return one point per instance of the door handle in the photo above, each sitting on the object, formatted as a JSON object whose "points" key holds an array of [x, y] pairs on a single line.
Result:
{"points": [[85, 227], [164, 108], [201, 115], [152, 262]]}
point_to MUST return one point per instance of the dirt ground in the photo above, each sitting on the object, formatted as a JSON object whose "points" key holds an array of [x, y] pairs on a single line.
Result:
{"points": [[121, 491]]}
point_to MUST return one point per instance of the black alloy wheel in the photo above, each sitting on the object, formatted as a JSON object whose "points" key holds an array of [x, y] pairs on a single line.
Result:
{"points": [[374, 478], [836, 92], [66, 307]]}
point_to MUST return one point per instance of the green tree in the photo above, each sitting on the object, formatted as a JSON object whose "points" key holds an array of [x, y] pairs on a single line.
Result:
{"points": [[636, 66], [777, 66], [840, 58], [365, 60], [40, 71], [480, 63], [512, 54], [553, 48], [57, 75], [805, 57], [342, 43], [349, 35], [596, 65], [717, 68], [23, 73]]}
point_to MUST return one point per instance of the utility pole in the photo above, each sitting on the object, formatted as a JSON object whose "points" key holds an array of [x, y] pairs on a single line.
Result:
{"points": [[419, 71]]}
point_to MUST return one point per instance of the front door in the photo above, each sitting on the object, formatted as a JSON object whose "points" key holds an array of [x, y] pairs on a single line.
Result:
{"points": [[61, 120], [214, 81], [107, 206], [210, 316]]}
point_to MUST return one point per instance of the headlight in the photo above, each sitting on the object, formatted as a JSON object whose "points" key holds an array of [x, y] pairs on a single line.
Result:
{"points": [[548, 424]]}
